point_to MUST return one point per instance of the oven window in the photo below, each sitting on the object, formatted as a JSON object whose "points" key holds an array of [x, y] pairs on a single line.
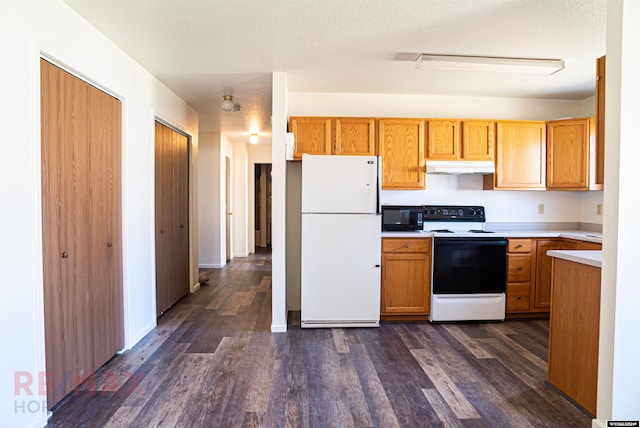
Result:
{"points": [[469, 266]]}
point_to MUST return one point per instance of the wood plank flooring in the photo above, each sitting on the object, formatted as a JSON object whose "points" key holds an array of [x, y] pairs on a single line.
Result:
{"points": [[212, 362]]}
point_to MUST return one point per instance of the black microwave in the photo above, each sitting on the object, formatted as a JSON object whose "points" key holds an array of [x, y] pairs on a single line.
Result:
{"points": [[402, 218]]}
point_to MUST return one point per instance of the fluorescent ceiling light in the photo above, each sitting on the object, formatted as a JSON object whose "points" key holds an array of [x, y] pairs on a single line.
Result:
{"points": [[489, 64]]}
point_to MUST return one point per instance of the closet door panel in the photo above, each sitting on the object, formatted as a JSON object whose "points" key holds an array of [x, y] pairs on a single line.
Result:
{"points": [[106, 246], [172, 216], [81, 321]]}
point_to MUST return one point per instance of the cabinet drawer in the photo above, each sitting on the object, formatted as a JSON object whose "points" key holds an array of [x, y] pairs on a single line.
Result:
{"points": [[518, 267], [518, 297], [402, 245], [519, 246]]}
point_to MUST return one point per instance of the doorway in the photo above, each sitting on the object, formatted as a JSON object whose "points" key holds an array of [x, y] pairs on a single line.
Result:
{"points": [[227, 209], [262, 206]]}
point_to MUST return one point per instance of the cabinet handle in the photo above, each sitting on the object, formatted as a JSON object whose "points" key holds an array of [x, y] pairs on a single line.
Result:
{"points": [[518, 297], [519, 268], [65, 255], [405, 246], [519, 246], [181, 226], [109, 244], [161, 231]]}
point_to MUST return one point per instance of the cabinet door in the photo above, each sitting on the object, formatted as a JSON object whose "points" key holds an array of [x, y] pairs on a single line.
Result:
{"points": [[542, 298], [568, 154], [401, 143], [443, 139], [312, 135], [520, 155], [355, 136], [478, 139], [406, 285]]}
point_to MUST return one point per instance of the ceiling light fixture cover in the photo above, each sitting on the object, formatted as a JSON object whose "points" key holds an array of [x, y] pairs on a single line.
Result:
{"points": [[227, 104], [253, 138], [489, 64]]}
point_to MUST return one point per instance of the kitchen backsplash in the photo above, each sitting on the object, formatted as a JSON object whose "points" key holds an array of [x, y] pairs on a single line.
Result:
{"points": [[502, 205]]}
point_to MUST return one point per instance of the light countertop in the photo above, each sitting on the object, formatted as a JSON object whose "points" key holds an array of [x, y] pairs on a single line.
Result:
{"points": [[586, 257], [581, 235]]}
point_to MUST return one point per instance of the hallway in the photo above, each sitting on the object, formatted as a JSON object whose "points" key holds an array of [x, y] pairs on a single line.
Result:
{"points": [[212, 362]]}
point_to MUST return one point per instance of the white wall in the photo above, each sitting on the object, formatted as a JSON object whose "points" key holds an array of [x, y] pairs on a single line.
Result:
{"points": [[27, 28], [279, 214], [294, 229], [210, 196], [619, 353], [240, 199]]}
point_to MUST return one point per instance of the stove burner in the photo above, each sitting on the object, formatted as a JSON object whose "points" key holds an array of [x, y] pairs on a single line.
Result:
{"points": [[480, 231], [441, 230]]}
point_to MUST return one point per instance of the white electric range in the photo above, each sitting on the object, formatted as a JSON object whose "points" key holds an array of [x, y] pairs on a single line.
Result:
{"points": [[469, 265]]}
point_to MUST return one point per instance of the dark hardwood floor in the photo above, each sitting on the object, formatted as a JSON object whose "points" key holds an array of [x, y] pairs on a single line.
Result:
{"points": [[212, 362]]}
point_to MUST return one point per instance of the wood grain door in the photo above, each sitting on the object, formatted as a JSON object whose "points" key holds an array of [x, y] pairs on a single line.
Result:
{"points": [[569, 153], [478, 139], [312, 136], [443, 139], [542, 297], [171, 216], [81, 215], [355, 136], [401, 143], [520, 155]]}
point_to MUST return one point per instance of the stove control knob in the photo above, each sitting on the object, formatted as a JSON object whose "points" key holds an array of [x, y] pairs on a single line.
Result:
{"points": [[433, 211], [460, 212]]}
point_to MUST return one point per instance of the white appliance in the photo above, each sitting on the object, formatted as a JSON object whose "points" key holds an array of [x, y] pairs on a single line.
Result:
{"points": [[341, 232], [460, 167], [469, 265]]}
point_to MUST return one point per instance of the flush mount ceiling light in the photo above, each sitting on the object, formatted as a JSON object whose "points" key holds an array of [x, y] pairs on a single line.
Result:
{"points": [[489, 64], [228, 104], [253, 138]]}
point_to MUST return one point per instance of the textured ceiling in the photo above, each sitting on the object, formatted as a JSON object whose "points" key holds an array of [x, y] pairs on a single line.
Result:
{"points": [[202, 49]]}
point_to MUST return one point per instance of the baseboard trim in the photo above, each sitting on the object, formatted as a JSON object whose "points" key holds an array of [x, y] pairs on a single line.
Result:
{"points": [[140, 335], [597, 423], [278, 328], [210, 266]]}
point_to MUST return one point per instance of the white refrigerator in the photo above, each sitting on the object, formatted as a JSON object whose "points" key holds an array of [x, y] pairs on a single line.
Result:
{"points": [[340, 251]]}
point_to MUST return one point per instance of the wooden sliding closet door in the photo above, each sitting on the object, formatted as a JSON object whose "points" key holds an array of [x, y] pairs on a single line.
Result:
{"points": [[172, 216], [81, 216]]}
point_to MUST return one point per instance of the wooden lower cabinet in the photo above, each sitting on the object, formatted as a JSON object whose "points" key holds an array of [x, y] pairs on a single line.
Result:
{"points": [[406, 279], [542, 297], [574, 331], [519, 275], [529, 273]]}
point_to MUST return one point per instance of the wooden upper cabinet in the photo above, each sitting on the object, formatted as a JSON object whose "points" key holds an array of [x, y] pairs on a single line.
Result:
{"points": [[454, 139], [600, 115], [478, 139], [571, 154], [443, 139], [401, 144], [312, 135], [520, 156], [355, 136]]}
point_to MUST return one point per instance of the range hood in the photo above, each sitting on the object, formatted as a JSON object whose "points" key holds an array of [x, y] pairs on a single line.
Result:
{"points": [[460, 167]]}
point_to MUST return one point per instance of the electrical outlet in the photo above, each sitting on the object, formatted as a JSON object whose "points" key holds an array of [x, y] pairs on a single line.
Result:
{"points": [[540, 208], [599, 209]]}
